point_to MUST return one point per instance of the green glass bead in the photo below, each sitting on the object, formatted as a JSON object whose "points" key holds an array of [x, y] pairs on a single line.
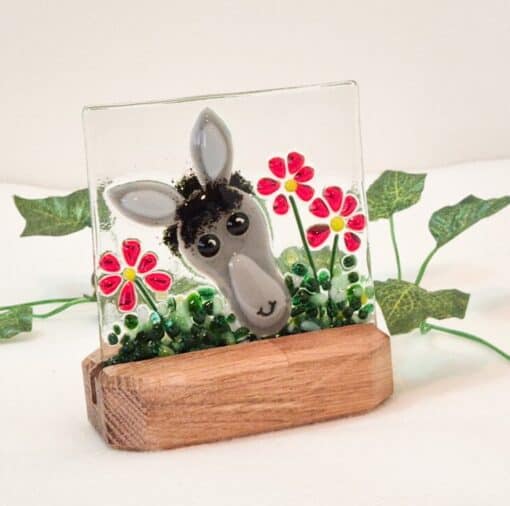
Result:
{"points": [[194, 302], [199, 315], [165, 351], [241, 332], [155, 318], [331, 308], [219, 324], [323, 275], [116, 329], [171, 303], [310, 283], [310, 325], [172, 328], [131, 321], [299, 269], [353, 277], [209, 307], [125, 339], [355, 303], [289, 282], [347, 312], [113, 338], [206, 292], [354, 291], [297, 310], [369, 308], [231, 318], [349, 261], [157, 332], [362, 314]]}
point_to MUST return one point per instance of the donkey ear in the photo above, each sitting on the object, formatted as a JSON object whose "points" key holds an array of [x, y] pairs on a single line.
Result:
{"points": [[147, 202], [211, 148]]}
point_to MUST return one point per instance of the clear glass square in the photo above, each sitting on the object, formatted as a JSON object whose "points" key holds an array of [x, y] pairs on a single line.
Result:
{"points": [[215, 219]]}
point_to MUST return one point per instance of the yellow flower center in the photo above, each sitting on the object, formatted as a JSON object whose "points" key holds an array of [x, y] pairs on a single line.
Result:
{"points": [[291, 185], [129, 274], [337, 224]]}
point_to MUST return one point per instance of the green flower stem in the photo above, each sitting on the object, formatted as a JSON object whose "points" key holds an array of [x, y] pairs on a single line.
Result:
{"points": [[40, 302], [425, 327], [302, 234], [147, 296], [63, 307], [333, 255], [424, 266], [395, 247]]}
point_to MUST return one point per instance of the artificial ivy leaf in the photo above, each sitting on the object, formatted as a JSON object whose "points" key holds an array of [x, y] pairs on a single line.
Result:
{"points": [[55, 215], [14, 321], [393, 191], [448, 222], [406, 305], [447, 304]]}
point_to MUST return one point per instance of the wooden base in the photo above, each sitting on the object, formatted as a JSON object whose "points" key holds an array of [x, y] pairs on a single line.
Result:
{"points": [[238, 390]]}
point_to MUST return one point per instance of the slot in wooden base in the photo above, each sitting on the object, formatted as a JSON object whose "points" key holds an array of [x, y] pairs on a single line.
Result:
{"points": [[238, 390]]}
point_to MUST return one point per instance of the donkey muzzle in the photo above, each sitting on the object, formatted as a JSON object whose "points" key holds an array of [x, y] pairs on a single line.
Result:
{"points": [[262, 299]]}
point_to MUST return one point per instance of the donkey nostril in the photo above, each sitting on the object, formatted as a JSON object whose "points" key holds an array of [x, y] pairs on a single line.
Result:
{"points": [[272, 306]]}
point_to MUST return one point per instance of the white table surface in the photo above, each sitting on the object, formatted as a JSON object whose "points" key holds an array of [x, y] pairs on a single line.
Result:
{"points": [[442, 439]]}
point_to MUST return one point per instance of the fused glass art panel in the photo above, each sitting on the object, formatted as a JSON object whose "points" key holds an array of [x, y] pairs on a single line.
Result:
{"points": [[225, 219]]}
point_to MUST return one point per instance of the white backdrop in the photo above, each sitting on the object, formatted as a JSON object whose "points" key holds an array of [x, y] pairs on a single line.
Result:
{"points": [[434, 75]]}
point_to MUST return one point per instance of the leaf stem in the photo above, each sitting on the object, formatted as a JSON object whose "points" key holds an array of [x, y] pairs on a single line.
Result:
{"points": [[147, 296], [302, 234], [40, 302], [424, 266], [63, 307], [333, 255], [425, 327], [395, 247]]}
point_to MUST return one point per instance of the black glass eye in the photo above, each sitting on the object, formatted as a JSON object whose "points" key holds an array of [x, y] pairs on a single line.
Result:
{"points": [[238, 223], [208, 245]]}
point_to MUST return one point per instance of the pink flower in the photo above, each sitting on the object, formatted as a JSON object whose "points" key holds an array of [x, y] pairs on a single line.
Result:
{"points": [[299, 174], [126, 279], [343, 220]]}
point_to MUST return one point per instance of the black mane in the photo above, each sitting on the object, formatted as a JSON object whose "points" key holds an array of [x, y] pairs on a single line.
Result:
{"points": [[203, 206]]}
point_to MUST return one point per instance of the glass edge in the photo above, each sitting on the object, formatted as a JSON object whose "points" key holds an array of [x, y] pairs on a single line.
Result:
{"points": [[213, 96]]}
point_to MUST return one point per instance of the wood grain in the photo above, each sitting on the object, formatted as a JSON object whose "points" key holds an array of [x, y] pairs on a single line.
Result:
{"points": [[239, 390]]}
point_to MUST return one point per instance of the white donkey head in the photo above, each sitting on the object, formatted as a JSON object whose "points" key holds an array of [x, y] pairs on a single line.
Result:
{"points": [[212, 219]]}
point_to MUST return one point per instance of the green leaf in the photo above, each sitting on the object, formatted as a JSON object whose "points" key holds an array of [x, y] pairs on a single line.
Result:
{"points": [[393, 191], [289, 256], [405, 305], [448, 222], [14, 321], [55, 215]]}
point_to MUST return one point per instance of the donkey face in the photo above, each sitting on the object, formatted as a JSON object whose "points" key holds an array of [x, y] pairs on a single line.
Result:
{"points": [[219, 227]]}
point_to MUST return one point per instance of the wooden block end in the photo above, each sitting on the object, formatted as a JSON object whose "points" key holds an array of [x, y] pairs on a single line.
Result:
{"points": [[245, 389]]}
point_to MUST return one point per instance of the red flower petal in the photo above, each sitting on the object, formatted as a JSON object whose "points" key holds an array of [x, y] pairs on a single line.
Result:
{"points": [[109, 262], [352, 241], [333, 195], [109, 284], [127, 298], [131, 250], [280, 204], [319, 208], [277, 166], [304, 174], [295, 161], [350, 205], [317, 234], [305, 192], [147, 262], [357, 222], [266, 186], [158, 281]]}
